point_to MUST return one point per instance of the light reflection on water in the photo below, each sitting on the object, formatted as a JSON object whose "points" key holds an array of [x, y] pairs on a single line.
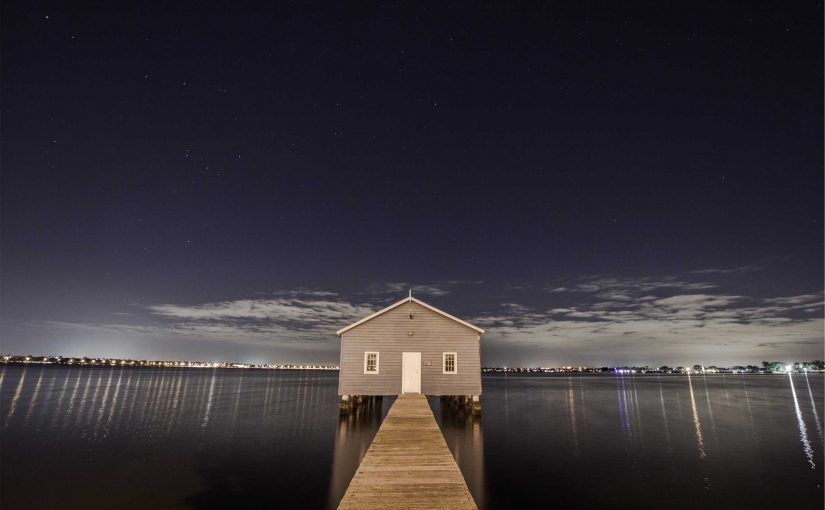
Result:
{"points": [[571, 412], [211, 438], [700, 441], [813, 407], [13, 407], [803, 430], [664, 416]]}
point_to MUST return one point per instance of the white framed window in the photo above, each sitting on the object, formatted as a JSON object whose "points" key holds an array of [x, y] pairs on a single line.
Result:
{"points": [[370, 362], [449, 362]]}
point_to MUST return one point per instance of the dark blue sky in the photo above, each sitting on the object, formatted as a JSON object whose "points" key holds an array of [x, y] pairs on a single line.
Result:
{"points": [[236, 181]]}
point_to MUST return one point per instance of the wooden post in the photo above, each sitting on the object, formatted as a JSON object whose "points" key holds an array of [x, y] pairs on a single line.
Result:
{"points": [[475, 403], [356, 403], [344, 405]]}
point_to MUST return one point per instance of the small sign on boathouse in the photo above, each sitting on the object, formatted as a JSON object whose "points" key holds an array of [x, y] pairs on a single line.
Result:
{"points": [[410, 347]]}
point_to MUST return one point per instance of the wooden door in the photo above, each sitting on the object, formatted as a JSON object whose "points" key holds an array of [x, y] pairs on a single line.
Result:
{"points": [[410, 372]]}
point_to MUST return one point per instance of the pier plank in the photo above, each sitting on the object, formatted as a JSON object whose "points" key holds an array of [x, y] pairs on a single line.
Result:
{"points": [[408, 464]]}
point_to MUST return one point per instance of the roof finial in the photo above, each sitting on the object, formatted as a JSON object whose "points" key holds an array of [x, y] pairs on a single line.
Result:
{"points": [[410, 293]]}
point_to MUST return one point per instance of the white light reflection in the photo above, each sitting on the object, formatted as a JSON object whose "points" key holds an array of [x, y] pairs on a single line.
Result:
{"points": [[664, 415], [147, 399], [168, 415], [180, 394], [583, 406], [170, 412], [48, 401], [209, 401], [267, 393], [124, 401], [33, 402], [803, 431], [571, 410], [636, 407], [90, 404], [748, 404], [710, 413], [237, 405], [813, 407], [15, 398], [135, 394], [101, 412], [86, 387], [700, 442], [68, 414], [113, 404], [621, 396], [56, 412], [157, 399]]}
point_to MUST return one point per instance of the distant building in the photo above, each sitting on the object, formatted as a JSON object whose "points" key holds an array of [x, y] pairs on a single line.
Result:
{"points": [[410, 347]]}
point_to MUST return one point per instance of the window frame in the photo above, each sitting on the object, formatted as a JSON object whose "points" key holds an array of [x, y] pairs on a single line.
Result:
{"points": [[444, 363], [377, 362]]}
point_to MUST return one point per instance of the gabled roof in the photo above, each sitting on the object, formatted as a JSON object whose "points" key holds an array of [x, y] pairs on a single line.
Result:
{"points": [[409, 299]]}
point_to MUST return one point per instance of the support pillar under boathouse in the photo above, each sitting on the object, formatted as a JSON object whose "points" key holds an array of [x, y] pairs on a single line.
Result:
{"points": [[465, 403], [356, 404]]}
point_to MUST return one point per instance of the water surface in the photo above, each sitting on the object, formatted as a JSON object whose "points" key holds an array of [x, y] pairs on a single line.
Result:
{"points": [[721, 441], [101, 437], [98, 437]]}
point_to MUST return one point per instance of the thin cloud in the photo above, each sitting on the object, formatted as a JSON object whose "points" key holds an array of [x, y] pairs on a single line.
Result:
{"points": [[286, 310], [298, 316], [401, 288], [629, 286], [733, 270], [802, 299], [671, 318], [438, 289]]}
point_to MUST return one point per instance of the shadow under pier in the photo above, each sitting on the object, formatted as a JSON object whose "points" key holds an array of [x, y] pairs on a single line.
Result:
{"points": [[358, 421]]}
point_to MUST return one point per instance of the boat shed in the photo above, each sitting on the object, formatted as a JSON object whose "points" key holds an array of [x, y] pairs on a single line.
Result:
{"points": [[410, 347]]}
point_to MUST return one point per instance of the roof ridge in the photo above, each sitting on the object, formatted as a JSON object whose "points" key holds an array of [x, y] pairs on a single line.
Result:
{"points": [[408, 299]]}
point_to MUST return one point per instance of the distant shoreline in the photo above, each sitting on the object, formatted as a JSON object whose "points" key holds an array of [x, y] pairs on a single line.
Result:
{"points": [[163, 364], [486, 371]]}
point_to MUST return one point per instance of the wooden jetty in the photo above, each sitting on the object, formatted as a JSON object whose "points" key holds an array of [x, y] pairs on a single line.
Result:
{"points": [[408, 464]]}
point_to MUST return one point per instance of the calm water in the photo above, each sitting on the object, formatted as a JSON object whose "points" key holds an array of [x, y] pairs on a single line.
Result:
{"points": [[144, 438]]}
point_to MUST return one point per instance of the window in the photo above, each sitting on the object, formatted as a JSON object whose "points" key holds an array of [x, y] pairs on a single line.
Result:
{"points": [[370, 362], [450, 363]]}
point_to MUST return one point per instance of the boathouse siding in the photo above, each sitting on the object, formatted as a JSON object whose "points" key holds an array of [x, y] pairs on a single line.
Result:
{"points": [[388, 333]]}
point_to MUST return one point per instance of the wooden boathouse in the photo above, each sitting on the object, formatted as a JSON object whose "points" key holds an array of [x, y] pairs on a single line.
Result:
{"points": [[410, 347]]}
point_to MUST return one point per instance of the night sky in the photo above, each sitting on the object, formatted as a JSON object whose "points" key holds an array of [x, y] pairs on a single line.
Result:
{"points": [[599, 185]]}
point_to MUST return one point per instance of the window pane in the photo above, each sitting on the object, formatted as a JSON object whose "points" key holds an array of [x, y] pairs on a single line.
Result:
{"points": [[372, 362], [449, 362]]}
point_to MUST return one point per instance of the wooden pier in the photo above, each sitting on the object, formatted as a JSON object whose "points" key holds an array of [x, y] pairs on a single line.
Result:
{"points": [[408, 464]]}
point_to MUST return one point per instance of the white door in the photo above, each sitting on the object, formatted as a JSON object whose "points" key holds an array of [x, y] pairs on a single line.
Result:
{"points": [[410, 372]]}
